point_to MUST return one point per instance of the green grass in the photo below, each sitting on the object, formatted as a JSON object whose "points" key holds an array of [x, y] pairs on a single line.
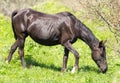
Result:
{"points": [[44, 63]]}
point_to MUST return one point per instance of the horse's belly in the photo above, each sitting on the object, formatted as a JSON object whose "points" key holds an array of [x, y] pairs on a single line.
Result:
{"points": [[47, 42], [45, 37], [46, 33]]}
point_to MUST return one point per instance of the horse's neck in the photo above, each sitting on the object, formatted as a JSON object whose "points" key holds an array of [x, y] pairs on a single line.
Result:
{"points": [[87, 36]]}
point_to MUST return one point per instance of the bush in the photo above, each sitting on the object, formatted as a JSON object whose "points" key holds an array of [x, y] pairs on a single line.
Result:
{"points": [[106, 11]]}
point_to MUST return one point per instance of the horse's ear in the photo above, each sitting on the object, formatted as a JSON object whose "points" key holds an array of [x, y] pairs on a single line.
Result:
{"points": [[101, 43], [104, 42]]}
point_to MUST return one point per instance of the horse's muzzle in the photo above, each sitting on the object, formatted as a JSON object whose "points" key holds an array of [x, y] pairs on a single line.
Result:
{"points": [[103, 70]]}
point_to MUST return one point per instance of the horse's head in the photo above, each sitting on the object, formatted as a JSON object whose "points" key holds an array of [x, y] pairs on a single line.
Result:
{"points": [[99, 56]]}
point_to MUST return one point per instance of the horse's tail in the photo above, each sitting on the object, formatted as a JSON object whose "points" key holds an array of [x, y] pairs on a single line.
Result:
{"points": [[13, 14]]}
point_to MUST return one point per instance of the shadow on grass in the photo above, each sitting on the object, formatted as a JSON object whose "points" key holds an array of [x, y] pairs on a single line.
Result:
{"points": [[117, 64], [89, 69], [31, 62]]}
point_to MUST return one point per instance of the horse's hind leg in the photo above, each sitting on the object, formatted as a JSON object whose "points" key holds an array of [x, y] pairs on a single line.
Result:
{"points": [[12, 50], [19, 43], [21, 51]]}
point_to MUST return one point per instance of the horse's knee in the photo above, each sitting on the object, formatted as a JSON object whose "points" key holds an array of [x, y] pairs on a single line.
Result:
{"points": [[76, 54], [13, 48], [21, 52]]}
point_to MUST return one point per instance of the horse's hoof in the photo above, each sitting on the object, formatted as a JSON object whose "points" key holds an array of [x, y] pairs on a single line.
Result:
{"points": [[63, 70], [74, 70], [7, 61], [24, 66]]}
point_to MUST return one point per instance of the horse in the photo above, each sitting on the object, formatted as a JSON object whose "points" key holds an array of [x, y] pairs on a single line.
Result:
{"points": [[53, 29]]}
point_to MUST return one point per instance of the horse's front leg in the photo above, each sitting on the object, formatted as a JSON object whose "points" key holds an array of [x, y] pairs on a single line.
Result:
{"points": [[75, 53], [65, 59]]}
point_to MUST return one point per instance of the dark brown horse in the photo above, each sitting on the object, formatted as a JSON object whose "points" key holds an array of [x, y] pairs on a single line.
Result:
{"points": [[62, 28]]}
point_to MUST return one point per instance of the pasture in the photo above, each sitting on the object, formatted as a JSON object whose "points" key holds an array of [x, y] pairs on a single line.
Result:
{"points": [[44, 63]]}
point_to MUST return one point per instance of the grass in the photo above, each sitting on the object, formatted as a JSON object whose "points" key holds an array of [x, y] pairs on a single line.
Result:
{"points": [[44, 63]]}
